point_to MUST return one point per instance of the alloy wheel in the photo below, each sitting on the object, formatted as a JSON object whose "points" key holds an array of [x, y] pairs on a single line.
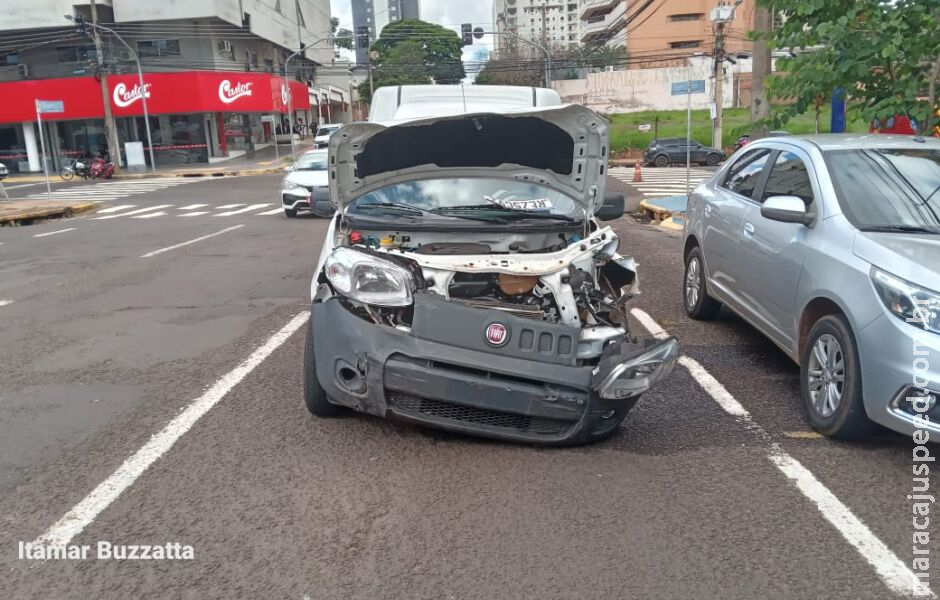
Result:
{"points": [[692, 282], [826, 375]]}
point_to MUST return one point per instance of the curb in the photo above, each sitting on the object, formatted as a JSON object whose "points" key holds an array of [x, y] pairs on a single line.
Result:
{"points": [[42, 213], [656, 212], [223, 173]]}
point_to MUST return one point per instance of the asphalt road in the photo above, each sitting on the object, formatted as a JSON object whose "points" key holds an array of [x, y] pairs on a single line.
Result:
{"points": [[101, 348]]}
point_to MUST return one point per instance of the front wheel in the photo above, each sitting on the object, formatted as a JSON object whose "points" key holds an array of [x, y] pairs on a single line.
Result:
{"points": [[698, 304], [831, 381], [712, 160], [290, 213], [67, 174], [661, 161], [315, 398]]}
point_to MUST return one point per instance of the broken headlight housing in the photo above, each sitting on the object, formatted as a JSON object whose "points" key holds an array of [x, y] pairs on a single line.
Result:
{"points": [[368, 279]]}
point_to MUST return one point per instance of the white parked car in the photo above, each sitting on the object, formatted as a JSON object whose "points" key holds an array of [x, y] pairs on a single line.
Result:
{"points": [[307, 186], [322, 138], [468, 283], [3, 171]]}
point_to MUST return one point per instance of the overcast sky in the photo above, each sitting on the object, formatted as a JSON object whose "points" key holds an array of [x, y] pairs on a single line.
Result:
{"points": [[449, 13]]}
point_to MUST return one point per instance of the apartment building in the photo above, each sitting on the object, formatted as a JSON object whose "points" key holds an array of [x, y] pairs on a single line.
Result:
{"points": [[212, 75], [371, 16], [553, 24], [604, 22]]}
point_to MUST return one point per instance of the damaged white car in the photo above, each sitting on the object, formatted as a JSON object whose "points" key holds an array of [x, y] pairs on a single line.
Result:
{"points": [[466, 282]]}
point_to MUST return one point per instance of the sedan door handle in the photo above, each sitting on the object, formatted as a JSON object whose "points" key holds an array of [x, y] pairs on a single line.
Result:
{"points": [[749, 229]]}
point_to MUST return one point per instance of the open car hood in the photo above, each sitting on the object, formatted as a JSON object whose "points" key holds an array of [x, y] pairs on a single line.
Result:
{"points": [[563, 147]]}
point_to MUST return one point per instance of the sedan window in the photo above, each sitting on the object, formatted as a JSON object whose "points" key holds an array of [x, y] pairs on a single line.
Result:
{"points": [[745, 173], [789, 177]]}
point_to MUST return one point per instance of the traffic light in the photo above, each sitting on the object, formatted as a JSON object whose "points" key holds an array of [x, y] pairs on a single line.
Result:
{"points": [[466, 34], [362, 37]]}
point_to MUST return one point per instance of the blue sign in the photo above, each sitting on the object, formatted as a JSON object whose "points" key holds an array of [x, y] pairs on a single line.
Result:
{"points": [[681, 88], [50, 106]]}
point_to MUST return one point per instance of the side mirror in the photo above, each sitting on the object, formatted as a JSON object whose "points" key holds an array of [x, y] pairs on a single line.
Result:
{"points": [[611, 209], [786, 209]]}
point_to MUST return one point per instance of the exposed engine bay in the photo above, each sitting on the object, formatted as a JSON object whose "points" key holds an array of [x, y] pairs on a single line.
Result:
{"points": [[559, 278]]}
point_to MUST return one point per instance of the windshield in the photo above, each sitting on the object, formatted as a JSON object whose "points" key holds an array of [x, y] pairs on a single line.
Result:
{"points": [[494, 200], [326, 131], [891, 190], [311, 162]]}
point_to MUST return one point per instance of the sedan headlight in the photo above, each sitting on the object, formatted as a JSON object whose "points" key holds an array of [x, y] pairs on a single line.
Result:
{"points": [[368, 279], [906, 301], [290, 186]]}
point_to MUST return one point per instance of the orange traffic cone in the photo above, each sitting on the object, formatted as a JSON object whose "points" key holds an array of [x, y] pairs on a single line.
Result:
{"points": [[637, 173]]}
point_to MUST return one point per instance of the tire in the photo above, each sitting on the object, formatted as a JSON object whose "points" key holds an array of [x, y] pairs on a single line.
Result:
{"points": [[610, 427], [698, 304], [712, 160], [290, 213], [67, 174], [661, 161], [831, 381], [315, 398]]}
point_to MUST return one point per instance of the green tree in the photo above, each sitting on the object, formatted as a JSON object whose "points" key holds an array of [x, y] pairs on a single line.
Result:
{"points": [[415, 51], [883, 54], [342, 38]]}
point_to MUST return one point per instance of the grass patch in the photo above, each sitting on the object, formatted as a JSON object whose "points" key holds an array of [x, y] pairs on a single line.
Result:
{"points": [[625, 135]]}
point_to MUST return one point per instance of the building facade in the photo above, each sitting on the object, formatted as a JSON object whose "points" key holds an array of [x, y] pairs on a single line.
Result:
{"points": [[371, 16], [212, 76], [554, 24], [603, 22]]}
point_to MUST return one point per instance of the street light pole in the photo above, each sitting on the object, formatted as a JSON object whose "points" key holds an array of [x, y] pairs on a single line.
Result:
{"points": [[140, 79]]}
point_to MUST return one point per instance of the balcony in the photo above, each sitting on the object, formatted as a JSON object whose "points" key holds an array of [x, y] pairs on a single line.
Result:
{"points": [[604, 26], [590, 8]]}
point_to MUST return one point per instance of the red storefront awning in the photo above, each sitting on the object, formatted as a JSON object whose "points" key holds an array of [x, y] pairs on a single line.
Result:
{"points": [[167, 93]]}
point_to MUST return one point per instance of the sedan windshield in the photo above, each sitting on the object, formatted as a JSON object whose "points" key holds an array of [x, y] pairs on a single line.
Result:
{"points": [[311, 162], [892, 190], [483, 199]]}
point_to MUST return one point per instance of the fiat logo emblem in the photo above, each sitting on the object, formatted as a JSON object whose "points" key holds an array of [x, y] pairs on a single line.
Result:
{"points": [[497, 334]]}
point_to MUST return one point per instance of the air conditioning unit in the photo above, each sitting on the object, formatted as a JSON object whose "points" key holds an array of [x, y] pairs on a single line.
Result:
{"points": [[223, 46], [609, 68], [24, 71]]}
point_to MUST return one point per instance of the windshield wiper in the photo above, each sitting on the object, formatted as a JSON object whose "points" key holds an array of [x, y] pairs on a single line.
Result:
{"points": [[502, 212], [901, 229], [392, 206]]}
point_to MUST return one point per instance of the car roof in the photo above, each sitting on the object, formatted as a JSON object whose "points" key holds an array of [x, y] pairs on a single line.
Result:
{"points": [[857, 141]]}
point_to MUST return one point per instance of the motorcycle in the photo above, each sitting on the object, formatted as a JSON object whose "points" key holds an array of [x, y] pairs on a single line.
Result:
{"points": [[77, 167], [102, 167]]}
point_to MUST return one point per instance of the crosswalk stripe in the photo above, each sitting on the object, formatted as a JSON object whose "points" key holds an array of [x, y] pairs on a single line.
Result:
{"points": [[224, 206], [150, 215], [194, 214], [191, 207], [114, 209], [270, 212], [243, 210], [135, 212]]}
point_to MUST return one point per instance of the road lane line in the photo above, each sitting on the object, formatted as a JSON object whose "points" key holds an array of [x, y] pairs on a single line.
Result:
{"points": [[134, 212], [114, 209], [889, 568], [271, 212], [224, 206], [54, 232], [232, 213], [198, 239], [5, 302], [159, 213], [85, 512]]}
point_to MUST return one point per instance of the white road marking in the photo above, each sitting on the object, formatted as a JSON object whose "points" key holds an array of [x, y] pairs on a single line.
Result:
{"points": [[5, 302], [114, 209], [159, 213], [224, 206], [198, 239], [194, 214], [889, 568], [54, 232], [135, 212], [271, 212], [85, 512], [22, 185], [243, 210], [191, 207]]}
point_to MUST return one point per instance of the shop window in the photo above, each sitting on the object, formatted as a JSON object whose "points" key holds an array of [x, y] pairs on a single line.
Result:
{"points": [[158, 48], [269, 65], [67, 54], [12, 59], [686, 44], [687, 17], [252, 59]]}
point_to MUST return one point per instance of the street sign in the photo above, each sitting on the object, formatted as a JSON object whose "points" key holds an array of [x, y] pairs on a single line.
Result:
{"points": [[681, 88], [50, 106], [645, 127]]}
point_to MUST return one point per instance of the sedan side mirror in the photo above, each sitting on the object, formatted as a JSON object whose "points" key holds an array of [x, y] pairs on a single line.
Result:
{"points": [[611, 209], [786, 209]]}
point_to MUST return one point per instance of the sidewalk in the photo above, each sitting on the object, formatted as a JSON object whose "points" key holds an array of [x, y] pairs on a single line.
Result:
{"points": [[13, 212], [255, 163]]}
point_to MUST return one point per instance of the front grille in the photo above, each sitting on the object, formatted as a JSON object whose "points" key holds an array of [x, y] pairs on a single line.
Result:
{"points": [[425, 407]]}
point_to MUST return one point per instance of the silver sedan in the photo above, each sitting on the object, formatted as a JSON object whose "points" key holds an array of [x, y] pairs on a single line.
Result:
{"points": [[830, 246]]}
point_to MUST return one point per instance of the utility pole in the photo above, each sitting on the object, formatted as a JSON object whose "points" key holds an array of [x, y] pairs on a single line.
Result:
{"points": [[720, 16], [760, 107], [114, 144]]}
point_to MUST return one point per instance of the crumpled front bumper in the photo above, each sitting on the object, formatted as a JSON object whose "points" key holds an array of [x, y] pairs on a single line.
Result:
{"points": [[443, 372]]}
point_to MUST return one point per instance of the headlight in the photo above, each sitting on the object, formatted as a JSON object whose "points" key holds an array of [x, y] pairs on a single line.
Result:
{"points": [[290, 186], [368, 279], [906, 301]]}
